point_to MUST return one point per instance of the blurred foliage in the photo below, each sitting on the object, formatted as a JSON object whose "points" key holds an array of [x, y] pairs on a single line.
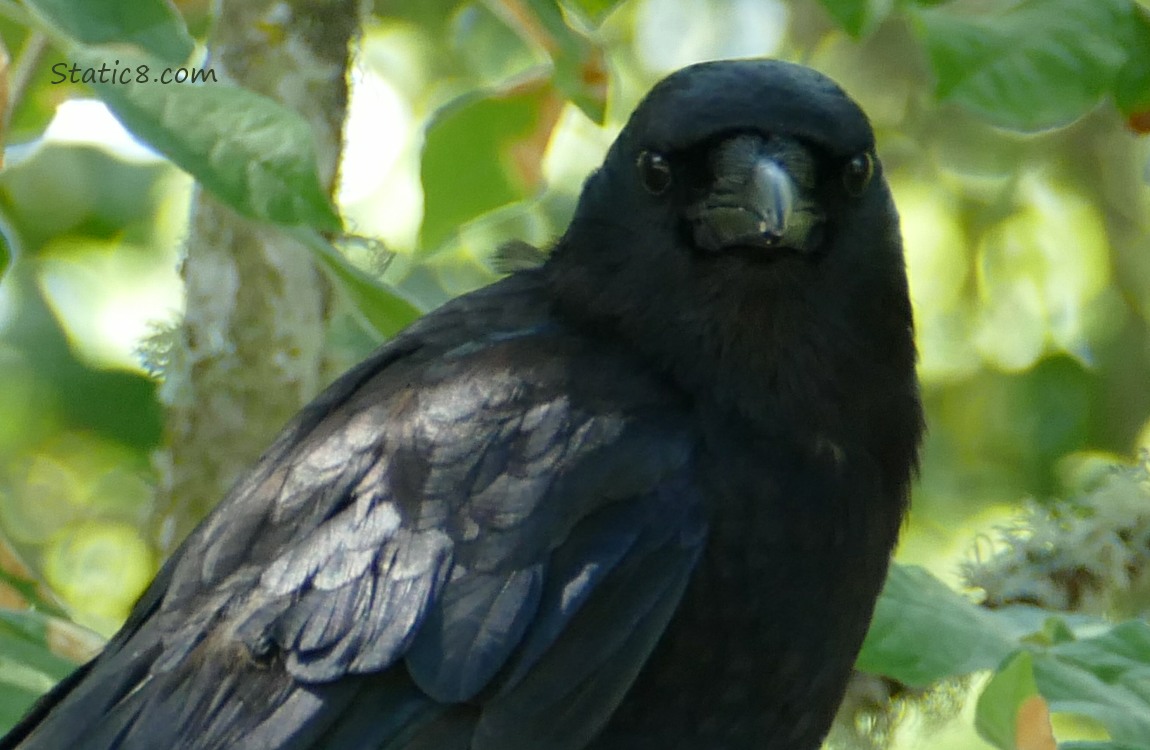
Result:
{"points": [[1010, 134], [1051, 586]]}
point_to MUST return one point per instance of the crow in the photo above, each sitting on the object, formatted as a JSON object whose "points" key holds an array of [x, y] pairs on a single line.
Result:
{"points": [[643, 495]]}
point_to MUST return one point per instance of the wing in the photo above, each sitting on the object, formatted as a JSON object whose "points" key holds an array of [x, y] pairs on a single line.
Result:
{"points": [[476, 535]]}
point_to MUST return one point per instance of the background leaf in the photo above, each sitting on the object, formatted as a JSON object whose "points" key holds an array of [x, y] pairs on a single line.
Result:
{"points": [[596, 10], [153, 25], [29, 665], [1132, 87], [385, 309], [1040, 64], [480, 153], [580, 69], [1106, 678], [997, 713], [858, 16], [5, 255], [254, 154], [923, 631]]}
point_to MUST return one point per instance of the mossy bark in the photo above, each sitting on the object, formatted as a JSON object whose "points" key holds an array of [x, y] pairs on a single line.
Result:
{"points": [[249, 351]]}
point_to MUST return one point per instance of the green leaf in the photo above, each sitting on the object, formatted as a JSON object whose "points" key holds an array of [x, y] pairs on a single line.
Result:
{"points": [[1132, 87], [489, 50], [153, 25], [253, 153], [30, 113], [24, 636], [385, 309], [430, 16], [1106, 678], [5, 254], [28, 665], [1039, 64], [473, 160], [14, 699], [857, 17], [30, 592], [24, 642], [595, 10], [580, 67], [923, 631], [996, 716]]}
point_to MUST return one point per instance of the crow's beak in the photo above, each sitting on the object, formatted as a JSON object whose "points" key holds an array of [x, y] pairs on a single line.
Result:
{"points": [[755, 213], [760, 196]]}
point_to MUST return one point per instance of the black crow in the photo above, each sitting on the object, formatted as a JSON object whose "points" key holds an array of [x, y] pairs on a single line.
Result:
{"points": [[641, 496]]}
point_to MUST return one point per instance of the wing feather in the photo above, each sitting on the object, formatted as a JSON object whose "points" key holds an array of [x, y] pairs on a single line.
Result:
{"points": [[475, 625], [421, 553]]}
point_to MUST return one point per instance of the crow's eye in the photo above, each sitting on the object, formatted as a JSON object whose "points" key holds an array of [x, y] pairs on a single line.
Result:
{"points": [[654, 171], [857, 173]]}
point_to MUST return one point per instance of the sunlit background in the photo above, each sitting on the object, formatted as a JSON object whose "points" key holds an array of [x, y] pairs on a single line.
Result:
{"points": [[1029, 258]]}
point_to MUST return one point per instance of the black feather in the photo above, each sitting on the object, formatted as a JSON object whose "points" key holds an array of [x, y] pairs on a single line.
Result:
{"points": [[643, 495]]}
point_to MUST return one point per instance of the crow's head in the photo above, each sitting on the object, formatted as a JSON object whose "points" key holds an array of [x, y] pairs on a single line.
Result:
{"points": [[754, 167], [740, 231], [752, 157]]}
